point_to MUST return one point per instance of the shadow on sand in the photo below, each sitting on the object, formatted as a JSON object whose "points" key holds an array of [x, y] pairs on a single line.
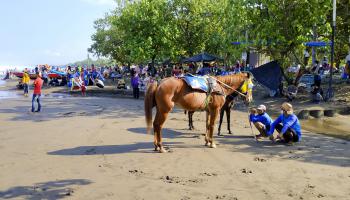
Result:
{"points": [[166, 133], [313, 149], [53, 108], [49, 190], [141, 147]]}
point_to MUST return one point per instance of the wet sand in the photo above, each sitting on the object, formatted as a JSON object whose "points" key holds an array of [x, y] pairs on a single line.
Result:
{"points": [[97, 148]]}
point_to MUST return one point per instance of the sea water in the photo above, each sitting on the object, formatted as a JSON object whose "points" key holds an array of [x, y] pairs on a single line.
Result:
{"points": [[4, 94]]}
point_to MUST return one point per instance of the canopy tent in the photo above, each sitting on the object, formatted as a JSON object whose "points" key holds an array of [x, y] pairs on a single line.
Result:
{"points": [[269, 75], [202, 57], [317, 44]]}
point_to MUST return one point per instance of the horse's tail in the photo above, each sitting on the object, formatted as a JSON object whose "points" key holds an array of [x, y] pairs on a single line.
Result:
{"points": [[149, 104]]}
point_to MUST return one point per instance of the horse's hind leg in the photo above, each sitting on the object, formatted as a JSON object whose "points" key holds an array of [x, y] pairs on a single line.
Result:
{"points": [[157, 125], [228, 115], [207, 119], [213, 115], [220, 122]]}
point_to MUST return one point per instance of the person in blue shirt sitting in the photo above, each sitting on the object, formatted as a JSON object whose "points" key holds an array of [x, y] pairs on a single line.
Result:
{"points": [[261, 120], [287, 125]]}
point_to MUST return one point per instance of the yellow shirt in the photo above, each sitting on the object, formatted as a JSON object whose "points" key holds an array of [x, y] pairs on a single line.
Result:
{"points": [[25, 78]]}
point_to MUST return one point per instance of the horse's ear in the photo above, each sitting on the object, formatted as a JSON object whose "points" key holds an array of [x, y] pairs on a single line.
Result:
{"points": [[248, 75]]}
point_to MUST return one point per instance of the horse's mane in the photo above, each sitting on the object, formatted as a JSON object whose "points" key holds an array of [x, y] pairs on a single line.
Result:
{"points": [[234, 79]]}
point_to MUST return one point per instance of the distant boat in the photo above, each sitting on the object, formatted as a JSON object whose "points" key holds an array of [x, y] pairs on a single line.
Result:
{"points": [[33, 75]]}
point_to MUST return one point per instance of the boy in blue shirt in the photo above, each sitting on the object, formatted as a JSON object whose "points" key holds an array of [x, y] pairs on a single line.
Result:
{"points": [[287, 125], [261, 120]]}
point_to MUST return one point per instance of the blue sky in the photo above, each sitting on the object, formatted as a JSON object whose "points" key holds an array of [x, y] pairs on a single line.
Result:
{"points": [[47, 31]]}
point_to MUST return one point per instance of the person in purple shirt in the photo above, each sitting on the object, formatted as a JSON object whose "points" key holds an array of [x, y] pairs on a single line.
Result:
{"points": [[287, 125], [261, 120], [135, 80]]}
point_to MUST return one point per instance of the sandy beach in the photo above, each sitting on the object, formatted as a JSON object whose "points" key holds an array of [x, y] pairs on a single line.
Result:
{"points": [[97, 148]]}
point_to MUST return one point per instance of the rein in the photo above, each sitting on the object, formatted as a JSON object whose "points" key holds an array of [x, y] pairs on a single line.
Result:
{"points": [[228, 86]]}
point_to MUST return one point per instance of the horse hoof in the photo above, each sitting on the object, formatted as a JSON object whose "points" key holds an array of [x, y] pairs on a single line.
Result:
{"points": [[162, 150], [156, 149], [230, 133], [212, 145], [207, 144]]}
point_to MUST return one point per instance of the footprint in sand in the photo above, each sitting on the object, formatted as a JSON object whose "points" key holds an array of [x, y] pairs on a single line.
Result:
{"points": [[136, 172], [182, 181]]}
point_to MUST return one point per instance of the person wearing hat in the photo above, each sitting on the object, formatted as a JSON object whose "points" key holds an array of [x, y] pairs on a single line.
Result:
{"points": [[287, 125], [25, 82], [38, 83], [261, 120]]}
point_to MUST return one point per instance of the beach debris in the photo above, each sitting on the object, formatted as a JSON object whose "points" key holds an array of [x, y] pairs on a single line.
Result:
{"points": [[311, 186], [320, 195], [208, 174], [69, 192], [135, 171], [246, 171], [90, 151], [259, 159], [225, 196]]}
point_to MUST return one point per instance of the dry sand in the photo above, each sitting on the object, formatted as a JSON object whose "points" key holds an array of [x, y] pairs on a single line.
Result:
{"points": [[97, 148]]}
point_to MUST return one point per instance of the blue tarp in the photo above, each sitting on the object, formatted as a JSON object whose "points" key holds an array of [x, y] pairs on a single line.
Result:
{"points": [[317, 44], [202, 57], [269, 75]]}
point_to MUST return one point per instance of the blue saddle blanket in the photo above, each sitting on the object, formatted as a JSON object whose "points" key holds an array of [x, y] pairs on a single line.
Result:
{"points": [[197, 82]]}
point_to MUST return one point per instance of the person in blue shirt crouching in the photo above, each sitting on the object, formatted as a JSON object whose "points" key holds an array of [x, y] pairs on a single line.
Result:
{"points": [[261, 120], [287, 125]]}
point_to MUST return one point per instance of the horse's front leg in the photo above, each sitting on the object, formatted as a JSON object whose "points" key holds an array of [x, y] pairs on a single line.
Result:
{"points": [[190, 120], [213, 116]]}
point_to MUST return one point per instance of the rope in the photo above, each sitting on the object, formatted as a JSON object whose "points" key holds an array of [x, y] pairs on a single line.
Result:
{"points": [[228, 86], [207, 101]]}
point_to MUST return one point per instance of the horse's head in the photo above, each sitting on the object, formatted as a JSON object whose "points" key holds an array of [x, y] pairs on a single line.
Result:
{"points": [[247, 87], [239, 85]]}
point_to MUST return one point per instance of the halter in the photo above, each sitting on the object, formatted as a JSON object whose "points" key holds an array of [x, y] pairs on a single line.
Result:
{"points": [[246, 83]]}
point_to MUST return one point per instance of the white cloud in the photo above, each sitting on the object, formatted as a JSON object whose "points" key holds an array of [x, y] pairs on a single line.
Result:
{"points": [[101, 2]]}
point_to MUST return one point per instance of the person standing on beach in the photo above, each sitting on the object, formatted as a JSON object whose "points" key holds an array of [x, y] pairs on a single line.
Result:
{"points": [[38, 83], [25, 82], [135, 85], [287, 125]]}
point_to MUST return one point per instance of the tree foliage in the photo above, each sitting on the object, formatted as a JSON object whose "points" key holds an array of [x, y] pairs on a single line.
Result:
{"points": [[146, 30]]}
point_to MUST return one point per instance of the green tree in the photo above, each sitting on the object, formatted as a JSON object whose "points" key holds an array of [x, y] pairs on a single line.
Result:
{"points": [[146, 29], [280, 26]]}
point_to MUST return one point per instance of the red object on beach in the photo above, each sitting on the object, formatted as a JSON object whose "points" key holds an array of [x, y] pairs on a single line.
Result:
{"points": [[33, 76]]}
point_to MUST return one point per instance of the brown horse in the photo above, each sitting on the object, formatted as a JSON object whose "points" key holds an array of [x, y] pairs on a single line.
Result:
{"points": [[173, 91]]}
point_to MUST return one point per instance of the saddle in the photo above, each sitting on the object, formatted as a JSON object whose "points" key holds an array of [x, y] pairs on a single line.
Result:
{"points": [[203, 83]]}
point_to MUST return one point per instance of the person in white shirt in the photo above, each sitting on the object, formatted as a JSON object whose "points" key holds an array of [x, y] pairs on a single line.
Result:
{"points": [[306, 57]]}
